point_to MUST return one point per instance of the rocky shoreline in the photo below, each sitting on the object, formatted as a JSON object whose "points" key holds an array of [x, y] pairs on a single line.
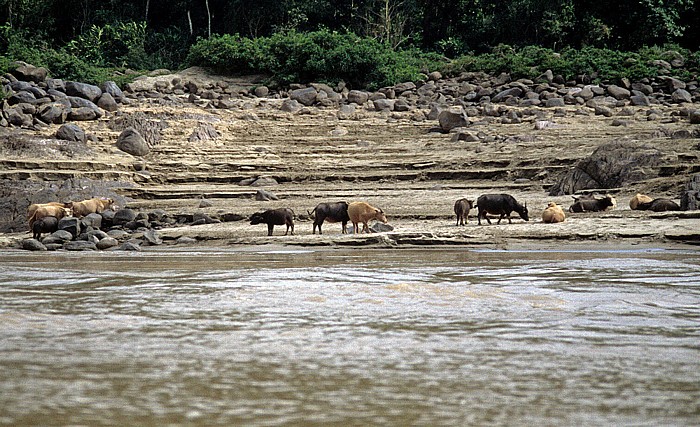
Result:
{"points": [[208, 151]]}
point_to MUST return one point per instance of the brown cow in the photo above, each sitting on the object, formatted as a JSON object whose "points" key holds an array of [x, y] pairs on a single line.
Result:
{"points": [[43, 211], [462, 208], [94, 205], [553, 214], [33, 207], [364, 212], [638, 200]]}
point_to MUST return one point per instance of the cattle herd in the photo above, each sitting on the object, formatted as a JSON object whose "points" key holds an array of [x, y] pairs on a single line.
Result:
{"points": [[44, 218]]}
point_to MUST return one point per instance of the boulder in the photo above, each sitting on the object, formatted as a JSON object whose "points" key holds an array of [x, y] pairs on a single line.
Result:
{"points": [[130, 141], [29, 73], [107, 242], [83, 114], [83, 90], [33, 245], [384, 104], [93, 220], [611, 165], [111, 88], [640, 100], [262, 91], [694, 117], [152, 237], [107, 103], [358, 97], [453, 117], [291, 106], [306, 96], [263, 181], [55, 113], [122, 216], [618, 92], [71, 225], [554, 102], [508, 93], [681, 95], [22, 96], [71, 132]]}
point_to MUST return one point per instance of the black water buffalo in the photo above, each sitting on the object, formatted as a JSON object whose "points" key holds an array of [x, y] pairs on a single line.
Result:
{"points": [[592, 204], [462, 208], [47, 224], [331, 212], [659, 205], [500, 204], [272, 217]]}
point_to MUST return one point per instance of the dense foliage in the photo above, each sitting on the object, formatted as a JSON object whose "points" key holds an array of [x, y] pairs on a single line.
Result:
{"points": [[366, 43]]}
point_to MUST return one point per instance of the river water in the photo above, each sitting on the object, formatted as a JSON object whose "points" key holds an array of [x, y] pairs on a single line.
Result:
{"points": [[350, 337]]}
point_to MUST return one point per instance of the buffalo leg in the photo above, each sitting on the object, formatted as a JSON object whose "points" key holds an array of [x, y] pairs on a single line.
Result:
{"points": [[270, 227]]}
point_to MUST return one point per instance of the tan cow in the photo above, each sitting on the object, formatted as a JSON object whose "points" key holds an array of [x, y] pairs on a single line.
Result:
{"points": [[94, 205], [639, 199], [43, 211], [553, 214], [361, 212], [33, 207]]}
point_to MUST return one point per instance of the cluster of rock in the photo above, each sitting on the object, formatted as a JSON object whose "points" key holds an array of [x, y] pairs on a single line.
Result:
{"points": [[474, 93], [124, 229], [690, 199], [33, 100]]}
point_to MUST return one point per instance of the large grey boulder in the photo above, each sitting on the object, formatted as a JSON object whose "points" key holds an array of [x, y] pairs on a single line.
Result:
{"points": [[29, 73], [618, 92], [55, 113], [291, 106], [80, 245], [83, 114], [83, 90], [611, 165], [358, 97], [305, 96], [453, 117], [33, 245], [130, 141], [71, 225], [71, 132], [111, 88], [107, 103], [122, 216], [508, 93], [681, 95]]}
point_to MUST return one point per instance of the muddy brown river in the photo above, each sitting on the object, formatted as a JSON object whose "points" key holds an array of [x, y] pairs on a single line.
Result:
{"points": [[270, 336]]}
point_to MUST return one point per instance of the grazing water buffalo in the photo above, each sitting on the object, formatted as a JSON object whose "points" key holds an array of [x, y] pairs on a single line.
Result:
{"points": [[500, 204], [331, 212], [45, 211], [462, 207], [591, 204], [553, 214], [638, 200], [48, 224], [659, 205], [272, 217], [361, 212]]}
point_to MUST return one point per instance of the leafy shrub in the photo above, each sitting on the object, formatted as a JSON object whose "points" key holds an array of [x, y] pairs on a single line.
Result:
{"points": [[291, 56]]}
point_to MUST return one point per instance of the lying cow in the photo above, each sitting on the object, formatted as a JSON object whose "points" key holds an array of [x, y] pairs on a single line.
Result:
{"points": [[592, 204], [462, 208], [272, 217], [659, 205], [94, 205], [639, 199], [45, 211], [500, 204], [553, 214], [48, 224], [331, 212], [361, 212]]}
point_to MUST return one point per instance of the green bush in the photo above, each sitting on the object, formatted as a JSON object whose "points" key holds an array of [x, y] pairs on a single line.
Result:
{"points": [[322, 56]]}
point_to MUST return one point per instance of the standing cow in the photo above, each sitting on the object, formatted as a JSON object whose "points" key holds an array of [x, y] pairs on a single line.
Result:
{"points": [[272, 217], [361, 212], [44, 211], [331, 212], [47, 224], [462, 208], [500, 204]]}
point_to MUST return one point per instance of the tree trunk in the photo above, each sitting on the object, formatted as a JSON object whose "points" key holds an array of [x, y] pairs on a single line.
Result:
{"points": [[148, 4], [208, 19], [189, 20]]}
